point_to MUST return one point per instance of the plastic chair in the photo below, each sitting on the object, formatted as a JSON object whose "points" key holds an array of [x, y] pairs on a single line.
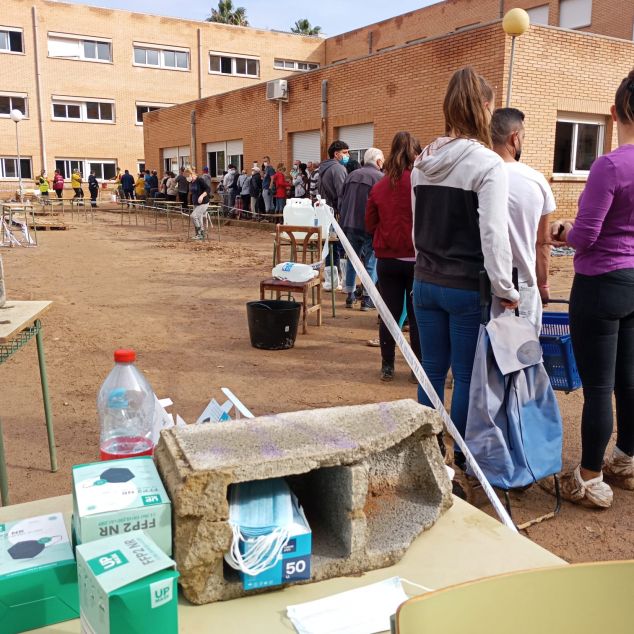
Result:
{"points": [[582, 598], [302, 241]]}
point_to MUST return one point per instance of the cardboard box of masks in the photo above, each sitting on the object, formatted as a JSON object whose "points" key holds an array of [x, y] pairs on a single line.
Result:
{"points": [[38, 574], [116, 497]]}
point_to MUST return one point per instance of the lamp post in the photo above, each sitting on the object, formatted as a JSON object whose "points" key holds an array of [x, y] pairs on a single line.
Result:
{"points": [[515, 23], [17, 116]]}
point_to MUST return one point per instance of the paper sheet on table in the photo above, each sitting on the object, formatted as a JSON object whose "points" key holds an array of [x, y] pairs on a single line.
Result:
{"points": [[365, 610]]}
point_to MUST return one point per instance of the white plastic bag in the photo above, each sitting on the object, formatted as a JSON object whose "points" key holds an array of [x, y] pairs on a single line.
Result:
{"points": [[331, 274], [294, 272]]}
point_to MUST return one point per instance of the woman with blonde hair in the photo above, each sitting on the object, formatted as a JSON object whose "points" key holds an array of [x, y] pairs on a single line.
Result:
{"points": [[388, 217], [460, 229]]}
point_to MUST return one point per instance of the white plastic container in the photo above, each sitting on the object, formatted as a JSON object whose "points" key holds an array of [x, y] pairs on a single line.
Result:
{"points": [[126, 411]]}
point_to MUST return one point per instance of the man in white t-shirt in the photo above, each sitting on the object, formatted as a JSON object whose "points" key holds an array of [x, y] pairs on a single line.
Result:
{"points": [[530, 203]]}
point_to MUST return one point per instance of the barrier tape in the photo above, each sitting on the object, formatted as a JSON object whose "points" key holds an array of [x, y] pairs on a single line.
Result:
{"points": [[418, 371]]}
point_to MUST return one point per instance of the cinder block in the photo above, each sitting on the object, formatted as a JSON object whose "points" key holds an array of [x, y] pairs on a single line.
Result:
{"points": [[370, 478]]}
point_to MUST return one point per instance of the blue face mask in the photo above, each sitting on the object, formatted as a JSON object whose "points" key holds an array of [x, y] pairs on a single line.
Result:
{"points": [[344, 159]]}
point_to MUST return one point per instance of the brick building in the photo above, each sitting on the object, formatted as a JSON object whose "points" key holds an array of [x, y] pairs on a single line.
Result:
{"points": [[563, 80], [85, 76]]}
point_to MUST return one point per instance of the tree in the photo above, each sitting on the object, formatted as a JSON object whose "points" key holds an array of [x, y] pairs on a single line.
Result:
{"points": [[226, 14], [303, 27]]}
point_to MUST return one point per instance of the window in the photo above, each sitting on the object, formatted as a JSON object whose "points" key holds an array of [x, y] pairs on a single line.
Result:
{"points": [[357, 155], [538, 15], [78, 48], [9, 167], [286, 64], [11, 40], [232, 65], [169, 58], [237, 160], [91, 111], [216, 163], [575, 14], [142, 108], [104, 169], [140, 166], [577, 145], [9, 101]]}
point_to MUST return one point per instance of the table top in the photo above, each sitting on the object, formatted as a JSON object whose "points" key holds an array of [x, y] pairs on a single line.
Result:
{"points": [[19, 315], [464, 544]]}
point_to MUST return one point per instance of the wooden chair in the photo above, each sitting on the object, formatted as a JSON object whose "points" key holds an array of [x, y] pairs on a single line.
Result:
{"points": [[303, 242], [580, 598]]}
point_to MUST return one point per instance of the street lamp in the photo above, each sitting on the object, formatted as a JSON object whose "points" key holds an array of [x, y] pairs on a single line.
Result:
{"points": [[17, 116], [515, 23]]}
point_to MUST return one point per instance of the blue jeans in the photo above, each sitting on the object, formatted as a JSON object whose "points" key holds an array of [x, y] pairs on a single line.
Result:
{"points": [[268, 200], [280, 203], [448, 323], [362, 244]]}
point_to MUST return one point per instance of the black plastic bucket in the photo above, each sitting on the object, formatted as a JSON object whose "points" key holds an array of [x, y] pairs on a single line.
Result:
{"points": [[273, 323]]}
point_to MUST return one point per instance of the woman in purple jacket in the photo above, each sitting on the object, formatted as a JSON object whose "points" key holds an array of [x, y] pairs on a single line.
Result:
{"points": [[602, 314]]}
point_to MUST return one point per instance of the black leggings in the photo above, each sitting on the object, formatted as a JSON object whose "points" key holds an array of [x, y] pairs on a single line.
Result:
{"points": [[602, 330], [396, 278]]}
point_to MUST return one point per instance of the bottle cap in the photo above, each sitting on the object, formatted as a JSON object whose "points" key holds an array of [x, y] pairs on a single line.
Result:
{"points": [[124, 356]]}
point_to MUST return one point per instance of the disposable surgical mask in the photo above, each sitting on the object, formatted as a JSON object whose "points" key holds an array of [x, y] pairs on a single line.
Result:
{"points": [[360, 611], [260, 515], [344, 159]]}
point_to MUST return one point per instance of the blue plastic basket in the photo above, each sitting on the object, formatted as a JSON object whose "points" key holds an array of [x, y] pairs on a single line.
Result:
{"points": [[559, 359]]}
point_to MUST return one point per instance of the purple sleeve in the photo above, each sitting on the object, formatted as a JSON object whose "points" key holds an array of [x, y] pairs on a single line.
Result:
{"points": [[594, 204]]}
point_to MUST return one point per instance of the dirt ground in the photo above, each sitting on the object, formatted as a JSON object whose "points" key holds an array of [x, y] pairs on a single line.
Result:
{"points": [[181, 305]]}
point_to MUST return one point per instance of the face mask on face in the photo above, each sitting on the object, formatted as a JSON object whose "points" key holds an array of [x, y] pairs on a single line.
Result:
{"points": [[344, 159]]}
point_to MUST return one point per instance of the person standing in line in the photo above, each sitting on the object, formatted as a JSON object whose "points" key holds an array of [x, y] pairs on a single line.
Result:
{"points": [[301, 182], [602, 314], [148, 184], [353, 202], [201, 195], [43, 184], [139, 187], [255, 191], [117, 184], [93, 188], [530, 204], [127, 185], [267, 175], [388, 218], [75, 181], [333, 173], [279, 184], [459, 199], [245, 190], [58, 184], [230, 182], [183, 187], [171, 187], [312, 170], [154, 184]]}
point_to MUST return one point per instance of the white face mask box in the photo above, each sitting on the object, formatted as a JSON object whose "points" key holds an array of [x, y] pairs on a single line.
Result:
{"points": [[294, 564], [116, 497], [38, 574], [127, 584]]}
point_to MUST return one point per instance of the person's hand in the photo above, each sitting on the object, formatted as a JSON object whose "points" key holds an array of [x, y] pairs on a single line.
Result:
{"points": [[507, 304], [544, 293], [201, 198], [567, 229]]}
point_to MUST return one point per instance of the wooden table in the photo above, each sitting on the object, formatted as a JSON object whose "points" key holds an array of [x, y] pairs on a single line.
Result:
{"points": [[465, 544], [19, 323]]}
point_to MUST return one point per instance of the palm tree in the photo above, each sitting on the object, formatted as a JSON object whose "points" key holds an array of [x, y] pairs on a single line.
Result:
{"points": [[226, 14], [303, 27]]}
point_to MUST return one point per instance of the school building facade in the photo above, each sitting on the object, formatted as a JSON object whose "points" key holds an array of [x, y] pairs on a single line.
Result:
{"points": [[563, 80]]}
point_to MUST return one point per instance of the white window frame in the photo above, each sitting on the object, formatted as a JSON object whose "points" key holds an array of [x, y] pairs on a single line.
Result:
{"points": [[577, 119], [81, 50], [13, 29], [3, 175], [138, 166], [84, 167], [14, 95], [148, 104], [82, 102], [233, 57], [289, 64], [161, 50]]}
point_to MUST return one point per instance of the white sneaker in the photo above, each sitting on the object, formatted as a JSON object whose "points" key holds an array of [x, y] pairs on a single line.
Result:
{"points": [[592, 492], [619, 469]]}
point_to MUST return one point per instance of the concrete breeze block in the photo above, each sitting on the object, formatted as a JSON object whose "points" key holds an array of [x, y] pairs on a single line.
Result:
{"points": [[371, 478]]}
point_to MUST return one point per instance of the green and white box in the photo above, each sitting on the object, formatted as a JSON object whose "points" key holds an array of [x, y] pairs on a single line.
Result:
{"points": [[127, 584], [38, 574], [116, 497]]}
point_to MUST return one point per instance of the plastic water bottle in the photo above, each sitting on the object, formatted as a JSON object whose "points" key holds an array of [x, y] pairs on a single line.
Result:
{"points": [[126, 411]]}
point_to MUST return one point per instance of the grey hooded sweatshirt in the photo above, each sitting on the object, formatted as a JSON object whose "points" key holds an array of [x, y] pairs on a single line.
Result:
{"points": [[459, 201], [332, 175]]}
